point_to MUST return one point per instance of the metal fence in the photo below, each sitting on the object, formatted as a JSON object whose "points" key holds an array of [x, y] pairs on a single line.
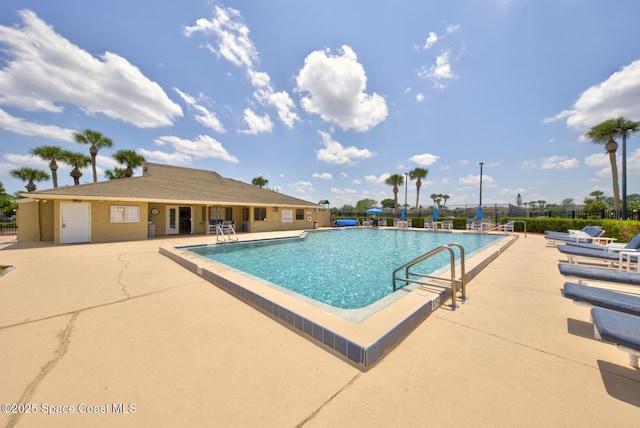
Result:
{"points": [[495, 212], [8, 229]]}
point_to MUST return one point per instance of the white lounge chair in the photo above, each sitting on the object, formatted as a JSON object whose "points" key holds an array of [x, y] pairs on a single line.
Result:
{"points": [[620, 329]]}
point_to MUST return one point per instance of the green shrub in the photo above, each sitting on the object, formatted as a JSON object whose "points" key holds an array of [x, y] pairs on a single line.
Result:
{"points": [[622, 230]]}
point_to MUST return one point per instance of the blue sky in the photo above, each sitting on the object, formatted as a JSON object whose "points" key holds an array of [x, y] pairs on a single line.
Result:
{"points": [[327, 99]]}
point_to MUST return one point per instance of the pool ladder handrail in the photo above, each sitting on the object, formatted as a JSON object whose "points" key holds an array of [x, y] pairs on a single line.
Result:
{"points": [[452, 281], [500, 226], [220, 231]]}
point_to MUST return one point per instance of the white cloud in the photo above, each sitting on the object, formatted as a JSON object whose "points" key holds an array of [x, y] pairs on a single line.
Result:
{"points": [[203, 115], [377, 180], [551, 162], [303, 187], [432, 38], [23, 127], [175, 158], [323, 176], [420, 97], [203, 146], [285, 107], [559, 162], [47, 70], [439, 73], [334, 88], [597, 160], [336, 153], [452, 28], [232, 42], [424, 159], [474, 180], [257, 124], [616, 96]]}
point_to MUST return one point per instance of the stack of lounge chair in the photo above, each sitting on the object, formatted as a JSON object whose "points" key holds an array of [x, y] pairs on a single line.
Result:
{"points": [[588, 234], [620, 254], [615, 313]]}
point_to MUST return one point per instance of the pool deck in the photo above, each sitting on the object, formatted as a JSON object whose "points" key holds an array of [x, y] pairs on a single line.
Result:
{"points": [[108, 324]]}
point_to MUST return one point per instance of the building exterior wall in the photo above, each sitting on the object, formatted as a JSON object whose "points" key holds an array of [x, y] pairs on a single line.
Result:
{"points": [[27, 220], [47, 225], [275, 219], [105, 230], [41, 220]]}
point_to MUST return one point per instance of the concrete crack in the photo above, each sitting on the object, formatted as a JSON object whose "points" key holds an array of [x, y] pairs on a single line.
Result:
{"points": [[121, 283], [315, 413], [63, 344]]}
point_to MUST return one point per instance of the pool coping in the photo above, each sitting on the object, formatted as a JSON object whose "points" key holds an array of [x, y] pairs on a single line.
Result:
{"points": [[362, 344]]}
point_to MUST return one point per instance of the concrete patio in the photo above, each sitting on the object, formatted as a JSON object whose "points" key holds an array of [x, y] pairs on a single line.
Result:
{"points": [[125, 337]]}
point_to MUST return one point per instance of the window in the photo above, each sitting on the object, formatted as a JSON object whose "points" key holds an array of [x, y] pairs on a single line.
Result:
{"points": [[259, 214], [124, 214], [299, 214]]}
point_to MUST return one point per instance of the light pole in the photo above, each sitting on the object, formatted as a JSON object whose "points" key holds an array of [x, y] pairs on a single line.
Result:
{"points": [[624, 175], [480, 204], [405, 191]]}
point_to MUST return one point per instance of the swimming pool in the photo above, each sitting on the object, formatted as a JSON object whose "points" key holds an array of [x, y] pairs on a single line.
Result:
{"points": [[361, 336], [346, 268]]}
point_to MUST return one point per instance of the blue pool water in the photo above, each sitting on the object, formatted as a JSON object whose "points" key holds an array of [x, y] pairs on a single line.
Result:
{"points": [[346, 268]]}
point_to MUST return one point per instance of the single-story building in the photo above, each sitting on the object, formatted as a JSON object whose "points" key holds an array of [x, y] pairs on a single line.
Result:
{"points": [[165, 200]]}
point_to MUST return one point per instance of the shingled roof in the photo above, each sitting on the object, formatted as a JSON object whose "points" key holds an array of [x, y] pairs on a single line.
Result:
{"points": [[173, 184]]}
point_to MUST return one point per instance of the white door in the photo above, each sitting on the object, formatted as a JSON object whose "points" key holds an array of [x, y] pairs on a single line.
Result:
{"points": [[173, 227], [76, 222]]}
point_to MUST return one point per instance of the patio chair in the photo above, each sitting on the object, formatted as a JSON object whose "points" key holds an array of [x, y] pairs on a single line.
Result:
{"points": [[447, 225], [589, 235], [621, 255], [469, 224], [585, 273], [478, 225], [428, 224], [570, 232], [602, 298], [383, 222], [634, 243], [619, 328], [506, 227]]}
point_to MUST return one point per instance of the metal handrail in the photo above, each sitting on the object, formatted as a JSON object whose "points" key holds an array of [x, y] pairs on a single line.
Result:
{"points": [[437, 250], [500, 226], [220, 231]]}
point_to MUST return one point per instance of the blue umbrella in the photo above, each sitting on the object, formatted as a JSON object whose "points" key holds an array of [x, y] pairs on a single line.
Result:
{"points": [[479, 214], [403, 215], [374, 211], [435, 213]]}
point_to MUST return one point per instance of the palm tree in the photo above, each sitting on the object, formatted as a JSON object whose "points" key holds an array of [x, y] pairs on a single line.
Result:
{"points": [[51, 154], [30, 175], [445, 197], [418, 174], [597, 194], [97, 141], [395, 180], [78, 161], [259, 181], [130, 159], [625, 128], [604, 133], [115, 173]]}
